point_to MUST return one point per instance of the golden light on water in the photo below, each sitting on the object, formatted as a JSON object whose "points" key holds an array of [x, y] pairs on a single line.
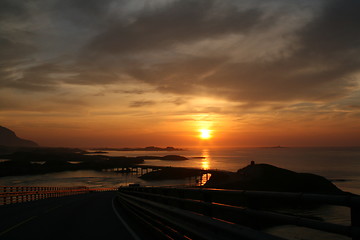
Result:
{"points": [[205, 163]]}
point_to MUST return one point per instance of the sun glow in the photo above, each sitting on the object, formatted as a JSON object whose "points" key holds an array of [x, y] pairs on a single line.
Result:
{"points": [[205, 133]]}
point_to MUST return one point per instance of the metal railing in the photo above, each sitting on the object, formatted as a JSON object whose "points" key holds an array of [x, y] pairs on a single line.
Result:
{"points": [[225, 205], [16, 194]]}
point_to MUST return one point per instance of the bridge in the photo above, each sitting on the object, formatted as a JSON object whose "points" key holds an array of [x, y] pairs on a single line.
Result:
{"points": [[149, 168], [160, 213]]}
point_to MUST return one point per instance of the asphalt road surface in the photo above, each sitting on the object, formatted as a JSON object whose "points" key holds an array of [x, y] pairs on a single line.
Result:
{"points": [[86, 216]]}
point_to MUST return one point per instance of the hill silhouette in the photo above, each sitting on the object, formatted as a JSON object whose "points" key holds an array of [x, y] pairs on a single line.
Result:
{"points": [[9, 138], [265, 177]]}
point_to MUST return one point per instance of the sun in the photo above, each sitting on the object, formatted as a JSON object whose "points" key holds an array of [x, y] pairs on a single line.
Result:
{"points": [[205, 133]]}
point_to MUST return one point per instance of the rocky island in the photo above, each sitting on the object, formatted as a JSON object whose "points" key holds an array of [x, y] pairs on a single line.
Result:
{"points": [[151, 148], [165, 158], [256, 177], [265, 177]]}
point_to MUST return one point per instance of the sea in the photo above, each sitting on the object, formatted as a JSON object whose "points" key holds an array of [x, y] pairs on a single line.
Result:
{"points": [[341, 165]]}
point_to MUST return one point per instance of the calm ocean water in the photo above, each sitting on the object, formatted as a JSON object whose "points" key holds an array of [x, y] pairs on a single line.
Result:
{"points": [[341, 165]]}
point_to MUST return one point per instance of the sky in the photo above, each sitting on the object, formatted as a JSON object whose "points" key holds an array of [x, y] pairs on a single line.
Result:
{"points": [[122, 73]]}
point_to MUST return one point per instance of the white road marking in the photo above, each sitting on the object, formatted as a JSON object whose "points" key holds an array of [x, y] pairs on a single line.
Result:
{"points": [[132, 233]]}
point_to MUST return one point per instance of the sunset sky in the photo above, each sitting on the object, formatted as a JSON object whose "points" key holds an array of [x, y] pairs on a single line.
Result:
{"points": [[122, 73]]}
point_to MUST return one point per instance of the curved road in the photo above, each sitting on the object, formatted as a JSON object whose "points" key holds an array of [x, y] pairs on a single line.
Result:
{"points": [[86, 216]]}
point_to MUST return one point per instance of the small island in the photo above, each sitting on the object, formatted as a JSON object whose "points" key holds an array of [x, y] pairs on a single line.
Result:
{"points": [[165, 158], [97, 152], [151, 148]]}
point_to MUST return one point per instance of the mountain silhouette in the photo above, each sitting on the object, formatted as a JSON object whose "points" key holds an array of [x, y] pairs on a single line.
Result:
{"points": [[9, 138]]}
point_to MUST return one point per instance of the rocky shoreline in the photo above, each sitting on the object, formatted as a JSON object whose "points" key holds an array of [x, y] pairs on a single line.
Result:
{"points": [[254, 177], [26, 161], [257, 177]]}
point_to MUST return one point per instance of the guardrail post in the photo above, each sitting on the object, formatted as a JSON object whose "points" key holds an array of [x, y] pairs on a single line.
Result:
{"points": [[11, 197], [4, 199], [355, 221]]}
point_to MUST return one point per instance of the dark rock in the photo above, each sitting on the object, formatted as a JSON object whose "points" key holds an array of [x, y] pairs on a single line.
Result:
{"points": [[166, 158], [264, 177], [9, 138], [58, 159], [174, 158], [151, 148], [97, 152]]}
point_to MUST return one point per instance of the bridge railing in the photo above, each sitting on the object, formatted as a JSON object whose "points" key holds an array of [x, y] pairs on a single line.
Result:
{"points": [[225, 205], [16, 194]]}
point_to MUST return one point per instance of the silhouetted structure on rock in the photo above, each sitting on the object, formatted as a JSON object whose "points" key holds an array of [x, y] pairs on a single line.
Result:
{"points": [[265, 177]]}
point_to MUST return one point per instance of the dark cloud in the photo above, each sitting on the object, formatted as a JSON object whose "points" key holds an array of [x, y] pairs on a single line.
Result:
{"points": [[83, 12], [12, 54], [319, 69], [178, 77], [145, 103], [12, 9], [357, 107], [323, 65], [178, 101], [319, 64], [134, 91], [83, 7], [335, 32], [37, 78], [85, 75], [179, 22]]}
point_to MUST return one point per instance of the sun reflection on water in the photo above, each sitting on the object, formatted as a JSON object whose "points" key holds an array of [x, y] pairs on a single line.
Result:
{"points": [[206, 158]]}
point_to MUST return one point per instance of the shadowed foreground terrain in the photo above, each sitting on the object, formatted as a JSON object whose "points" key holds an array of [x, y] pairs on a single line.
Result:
{"points": [[87, 216]]}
